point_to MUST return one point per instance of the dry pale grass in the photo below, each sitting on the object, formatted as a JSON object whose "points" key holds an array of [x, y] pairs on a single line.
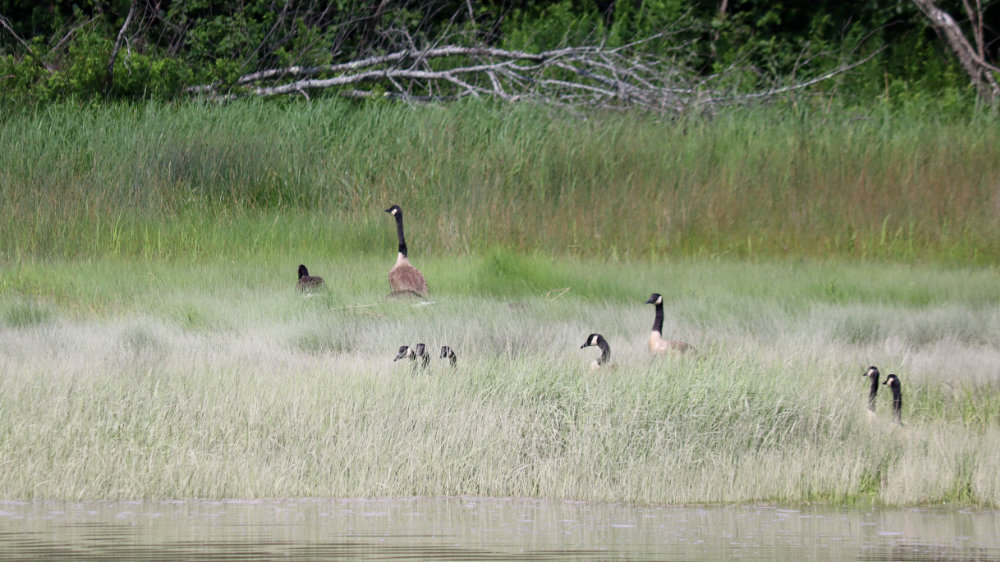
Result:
{"points": [[210, 382]]}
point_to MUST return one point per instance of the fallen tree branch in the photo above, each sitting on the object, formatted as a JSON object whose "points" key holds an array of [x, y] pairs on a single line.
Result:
{"points": [[615, 78], [800, 85]]}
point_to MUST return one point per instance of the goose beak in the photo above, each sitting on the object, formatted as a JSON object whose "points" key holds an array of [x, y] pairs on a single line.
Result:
{"points": [[584, 345]]}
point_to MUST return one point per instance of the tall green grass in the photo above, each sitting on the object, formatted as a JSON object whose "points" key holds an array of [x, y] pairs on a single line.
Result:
{"points": [[182, 181], [215, 378]]}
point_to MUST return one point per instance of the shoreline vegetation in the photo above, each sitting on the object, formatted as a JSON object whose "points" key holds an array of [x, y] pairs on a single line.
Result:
{"points": [[176, 182], [155, 345], [165, 380]]}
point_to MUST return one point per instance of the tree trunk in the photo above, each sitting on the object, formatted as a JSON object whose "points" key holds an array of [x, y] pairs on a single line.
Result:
{"points": [[980, 72], [109, 78]]}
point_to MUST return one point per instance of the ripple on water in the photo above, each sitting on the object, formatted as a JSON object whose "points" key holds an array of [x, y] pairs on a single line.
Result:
{"points": [[484, 529]]}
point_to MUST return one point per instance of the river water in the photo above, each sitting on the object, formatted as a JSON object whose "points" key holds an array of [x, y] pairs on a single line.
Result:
{"points": [[470, 528]]}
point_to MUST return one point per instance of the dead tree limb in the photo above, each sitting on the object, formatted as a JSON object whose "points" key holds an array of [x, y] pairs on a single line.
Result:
{"points": [[595, 76], [27, 48], [979, 70], [109, 77]]}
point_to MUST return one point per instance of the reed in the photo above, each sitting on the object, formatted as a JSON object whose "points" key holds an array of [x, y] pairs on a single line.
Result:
{"points": [[182, 181], [208, 379]]}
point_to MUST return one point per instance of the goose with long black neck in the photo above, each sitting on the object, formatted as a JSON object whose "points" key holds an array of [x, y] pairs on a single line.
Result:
{"points": [[598, 341], [658, 345], [404, 279], [873, 375], [892, 381]]}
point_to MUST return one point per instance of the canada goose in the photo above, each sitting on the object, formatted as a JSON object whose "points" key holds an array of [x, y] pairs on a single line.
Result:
{"points": [[897, 397], [599, 341], [407, 352], [308, 282], [449, 354], [658, 345], [872, 374], [404, 279], [421, 353]]}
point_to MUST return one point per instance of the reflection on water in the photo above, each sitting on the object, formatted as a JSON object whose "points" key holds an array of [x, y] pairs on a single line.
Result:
{"points": [[485, 529]]}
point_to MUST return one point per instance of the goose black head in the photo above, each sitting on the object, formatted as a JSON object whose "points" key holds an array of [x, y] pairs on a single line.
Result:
{"points": [[872, 374], [404, 351], [897, 397], [592, 340], [395, 211], [421, 351], [449, 354], [598, 340], [655, 298], [303, 272]]}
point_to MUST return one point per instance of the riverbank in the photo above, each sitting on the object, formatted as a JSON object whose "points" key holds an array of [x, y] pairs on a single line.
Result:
{"points": [[212, 379]]}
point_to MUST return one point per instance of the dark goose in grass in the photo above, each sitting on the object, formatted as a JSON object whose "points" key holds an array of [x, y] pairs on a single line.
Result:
{"points": [[405, 352], [873, 374], [598, 341], [308, 282], [449, 354], [658, 345], [404, 279], [897, 397], [420, 352]]}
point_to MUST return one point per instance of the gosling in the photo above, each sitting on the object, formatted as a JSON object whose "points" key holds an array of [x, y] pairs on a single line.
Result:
{"points": [[449, 354], [420, 352], [405, 352]]}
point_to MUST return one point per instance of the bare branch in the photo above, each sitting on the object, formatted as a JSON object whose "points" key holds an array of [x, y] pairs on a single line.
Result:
{"points": [[979, 71], [571, 77], [800, 85], [6, 25], [109, 77]]}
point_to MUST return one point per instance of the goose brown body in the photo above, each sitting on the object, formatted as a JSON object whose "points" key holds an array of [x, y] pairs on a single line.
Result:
{"points": [[308, 282], [404, 278]]}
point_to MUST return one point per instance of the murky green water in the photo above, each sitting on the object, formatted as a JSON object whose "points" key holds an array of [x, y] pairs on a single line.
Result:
{"points": [[485, 529]]}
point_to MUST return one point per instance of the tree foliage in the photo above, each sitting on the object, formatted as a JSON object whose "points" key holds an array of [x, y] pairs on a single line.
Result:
{"points": [[58, 49]]}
